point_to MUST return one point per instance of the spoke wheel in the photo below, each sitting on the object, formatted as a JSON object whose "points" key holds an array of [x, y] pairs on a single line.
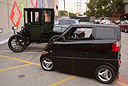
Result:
{"points": [[105, 74], [47, 64], [17, 43]]}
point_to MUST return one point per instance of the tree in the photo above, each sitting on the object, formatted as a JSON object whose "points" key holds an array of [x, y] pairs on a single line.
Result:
{"points": [[63, 13], [104, 8], [72, 14]]}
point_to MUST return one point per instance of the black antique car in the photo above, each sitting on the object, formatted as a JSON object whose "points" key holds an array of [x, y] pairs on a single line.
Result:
{"points": [[38, 28]]}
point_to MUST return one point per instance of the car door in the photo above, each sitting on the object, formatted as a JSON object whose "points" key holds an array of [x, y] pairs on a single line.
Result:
{"points": [[34, 22], [74, 54], [64, 56], [47, 23], [83, 55]]}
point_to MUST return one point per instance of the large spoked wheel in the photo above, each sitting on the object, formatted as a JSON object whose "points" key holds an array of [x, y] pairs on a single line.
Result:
{"points": [[105, 74], [17, 43], [47, 64]]}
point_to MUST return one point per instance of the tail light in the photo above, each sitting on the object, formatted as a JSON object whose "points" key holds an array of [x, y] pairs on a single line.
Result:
{"points": [[116, 46], [83, 30], [104, 22], [110, 22]]}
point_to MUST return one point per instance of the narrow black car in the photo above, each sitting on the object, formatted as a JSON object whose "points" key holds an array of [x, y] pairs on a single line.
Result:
{"points": [[98, 52]]}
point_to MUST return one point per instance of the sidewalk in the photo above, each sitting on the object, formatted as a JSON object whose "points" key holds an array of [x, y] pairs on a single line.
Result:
{"points": [[5, 36]]}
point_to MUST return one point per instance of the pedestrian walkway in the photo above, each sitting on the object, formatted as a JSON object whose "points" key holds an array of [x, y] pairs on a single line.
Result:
{"points": [[5, 36]]}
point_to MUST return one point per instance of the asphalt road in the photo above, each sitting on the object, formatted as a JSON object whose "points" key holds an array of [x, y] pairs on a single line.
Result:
{"points": [[23, 69]]}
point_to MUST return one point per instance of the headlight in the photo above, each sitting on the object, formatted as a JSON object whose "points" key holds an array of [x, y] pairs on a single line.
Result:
{"points": [[14, 28]]}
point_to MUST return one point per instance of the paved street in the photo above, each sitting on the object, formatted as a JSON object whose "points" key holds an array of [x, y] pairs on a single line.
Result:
{"points": [[4, 36], [23, 69]]}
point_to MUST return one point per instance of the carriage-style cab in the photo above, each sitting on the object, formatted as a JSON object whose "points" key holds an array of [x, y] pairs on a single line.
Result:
{"points": [[38, 28]]}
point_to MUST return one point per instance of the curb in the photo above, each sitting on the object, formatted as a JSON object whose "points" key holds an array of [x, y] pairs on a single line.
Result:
{"points": [[4, 41]]}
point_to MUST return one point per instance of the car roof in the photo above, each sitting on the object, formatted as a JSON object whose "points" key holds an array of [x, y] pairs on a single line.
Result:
{"points": [[94, 25]]}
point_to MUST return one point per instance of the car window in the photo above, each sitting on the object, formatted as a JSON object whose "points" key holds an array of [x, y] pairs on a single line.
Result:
{"points": [[79, 33], [47, 15], [104, 33], [63, 29], [57, 28], [26, 17], [72, 22], [64, 22], [56, 21], [36, 16]]}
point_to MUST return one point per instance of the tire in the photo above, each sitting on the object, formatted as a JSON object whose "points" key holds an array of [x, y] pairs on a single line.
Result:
{"points": [[105, 74], [17, 43], [125, 30], [47, 64], [53, 37]]}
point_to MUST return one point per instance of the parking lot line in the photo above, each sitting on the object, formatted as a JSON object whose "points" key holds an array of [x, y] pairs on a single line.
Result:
{"points": [[20, 60], [121, 83], [59, 82], [14, 67]]}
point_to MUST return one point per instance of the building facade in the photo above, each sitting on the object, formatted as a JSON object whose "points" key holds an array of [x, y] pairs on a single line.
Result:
{"points": [[7, 5]]}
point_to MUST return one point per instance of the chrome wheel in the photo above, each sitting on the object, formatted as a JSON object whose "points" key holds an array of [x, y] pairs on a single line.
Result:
{"points": [[47, 64], [104, 74]]}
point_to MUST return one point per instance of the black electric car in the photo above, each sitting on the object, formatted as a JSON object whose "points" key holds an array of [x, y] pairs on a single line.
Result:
{"points": [[98, 52]]}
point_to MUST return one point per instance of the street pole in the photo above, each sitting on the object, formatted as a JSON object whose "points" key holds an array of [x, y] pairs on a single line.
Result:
{"points": [[64, 9], [64, 5]]}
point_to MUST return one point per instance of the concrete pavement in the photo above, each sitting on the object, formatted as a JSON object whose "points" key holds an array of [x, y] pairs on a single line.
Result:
{"points": [[5, 36]]}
